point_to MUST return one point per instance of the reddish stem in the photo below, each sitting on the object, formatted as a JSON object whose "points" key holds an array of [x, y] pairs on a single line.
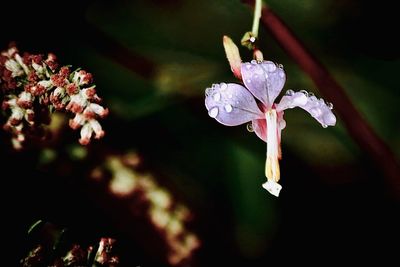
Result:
{"points": [[356, 125]]}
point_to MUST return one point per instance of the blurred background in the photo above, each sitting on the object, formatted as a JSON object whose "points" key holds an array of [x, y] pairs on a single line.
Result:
{"points": [[164, 161]]}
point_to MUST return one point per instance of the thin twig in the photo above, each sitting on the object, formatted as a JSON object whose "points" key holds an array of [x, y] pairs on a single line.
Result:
{"points": [[356, 125]]}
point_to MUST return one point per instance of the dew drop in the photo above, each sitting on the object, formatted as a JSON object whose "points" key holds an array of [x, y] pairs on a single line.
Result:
{"points": [[280, 66], [213, 112], [271, 67], [253, 62], [289, 92], [310, 94], [324, 125], [223, 86], [228, 108], [217, 97], [330, 105], [304, 92], [315, 112], [249, 127]]}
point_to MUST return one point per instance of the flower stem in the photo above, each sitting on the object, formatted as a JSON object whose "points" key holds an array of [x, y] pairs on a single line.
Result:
{"points": [[256, 18]]}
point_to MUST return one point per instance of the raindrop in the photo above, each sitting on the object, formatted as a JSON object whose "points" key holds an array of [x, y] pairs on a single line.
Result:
{"points": [[224, 86], [217, 97], [330, 105], [271, 67], [315, 112], [304, 92], [311, 94], [280, 66], [289, 92], [213, 112], [228, 108], [324, 125], [249, 127], [253, 61]]}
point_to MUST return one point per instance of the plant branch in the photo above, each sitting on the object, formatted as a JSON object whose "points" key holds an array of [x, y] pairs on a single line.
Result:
{"points": [[356, 125]]}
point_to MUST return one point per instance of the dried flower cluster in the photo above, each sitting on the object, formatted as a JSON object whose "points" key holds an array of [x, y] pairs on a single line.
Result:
{"points": [[33, 86], [168, 216], [76, 256]]}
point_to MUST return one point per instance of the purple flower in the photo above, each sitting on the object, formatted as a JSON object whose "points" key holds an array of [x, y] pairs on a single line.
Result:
{"points": [[233, 104]]}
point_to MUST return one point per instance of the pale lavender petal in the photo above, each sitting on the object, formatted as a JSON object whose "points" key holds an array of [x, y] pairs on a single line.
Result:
{"points": [[318, 108], [231, 104], [264, 80]]}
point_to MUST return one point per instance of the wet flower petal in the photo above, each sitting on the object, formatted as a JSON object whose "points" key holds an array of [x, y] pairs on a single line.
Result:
{"points": [[318, 108], [231, 104], [265, 80]]}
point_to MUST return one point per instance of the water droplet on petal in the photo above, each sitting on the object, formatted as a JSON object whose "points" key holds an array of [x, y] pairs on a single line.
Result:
{"points": [[253, 61], [217, 97], [330, 105], [310, 94], [271, 67], [224, 86], [228, 108], [280, 66], [315, 112], [208, 91], [324, 125], [248, 80], [289, 92], [304, 92], [213, 112], [249, 127]]}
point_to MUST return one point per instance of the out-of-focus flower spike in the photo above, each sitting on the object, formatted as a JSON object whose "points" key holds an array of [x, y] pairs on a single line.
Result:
{"points": [[233, 55]]}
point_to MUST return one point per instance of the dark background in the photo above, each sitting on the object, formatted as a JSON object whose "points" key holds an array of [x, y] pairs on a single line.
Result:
{"points": [[152, 61]]}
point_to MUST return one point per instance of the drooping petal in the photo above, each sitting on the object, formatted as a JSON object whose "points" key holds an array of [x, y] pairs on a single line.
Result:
{"points": [[264, 80], [317, 108], [231, 104]]}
